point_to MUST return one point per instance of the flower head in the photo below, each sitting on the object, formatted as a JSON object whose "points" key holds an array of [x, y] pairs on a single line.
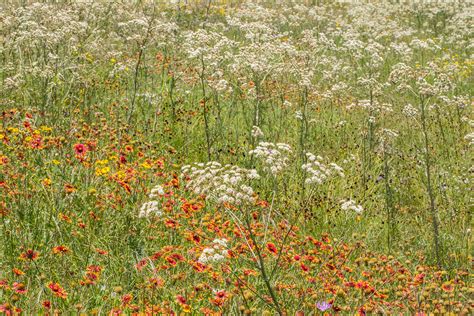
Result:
{"points": [[80, 149], [323, 306], [29, 255]]}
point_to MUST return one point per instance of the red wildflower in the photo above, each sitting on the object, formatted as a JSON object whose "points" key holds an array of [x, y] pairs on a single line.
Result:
{"points": [[60, 250], [155, 283], [177, 256], [304, 267], [115, 312], [122, 159], [156, 256], [17, 271], [248, 272], [46, 304], [194, 238], [69, 188], [57, 290], [141, 264], [419, 278], [3, 283], [5, 308], [447, 287], [94, 268], [80, 149], [30, 254], [180, 299], [170, 223], [27, 124], [221, 294], [19, 288], [199, 267], [171, 261], [272, 248], [219, 298], [126, 299], [101, 251]]}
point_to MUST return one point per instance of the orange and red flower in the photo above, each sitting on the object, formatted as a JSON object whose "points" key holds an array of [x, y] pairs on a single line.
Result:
{"points": [[57, 290]]}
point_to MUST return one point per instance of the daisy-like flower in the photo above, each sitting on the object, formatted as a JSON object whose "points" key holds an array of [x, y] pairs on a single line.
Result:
{"points": [[19, 288], [80, 149], [57, 290], [29, 255], [272, 248], [447, 287], [60, 250], [17, 271]]}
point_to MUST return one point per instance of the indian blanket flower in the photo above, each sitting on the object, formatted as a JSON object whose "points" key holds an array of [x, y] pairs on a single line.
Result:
{"points": [[29, 255], [80, 149], [17, 271], [46, 304], [60, 250], [19, 288], [57, 290], [272, 248]]}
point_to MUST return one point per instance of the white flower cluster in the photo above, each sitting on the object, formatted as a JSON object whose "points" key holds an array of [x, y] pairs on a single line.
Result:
{"points": [[257, 132], [299, 115], [347, 205], [218, 252], [318, 171], [470, 138], [410, 111], [426, 89], [223, 184], [157, 191], [150, 208], [275, 157], [387, 135]]}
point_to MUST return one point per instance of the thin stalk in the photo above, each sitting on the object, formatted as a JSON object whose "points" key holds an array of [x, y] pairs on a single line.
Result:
{"points": [[261, 267], [205, 110], [433, 211], [388, 201]]}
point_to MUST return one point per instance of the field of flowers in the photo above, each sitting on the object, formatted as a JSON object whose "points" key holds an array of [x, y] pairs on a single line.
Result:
{"points": [[236, 157]]}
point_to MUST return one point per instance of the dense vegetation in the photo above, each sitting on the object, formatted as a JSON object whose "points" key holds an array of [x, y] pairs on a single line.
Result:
{"points": [[236, 158]]}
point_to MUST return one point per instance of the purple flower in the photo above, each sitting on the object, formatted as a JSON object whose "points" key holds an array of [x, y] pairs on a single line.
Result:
{"points": [[323, 306]]}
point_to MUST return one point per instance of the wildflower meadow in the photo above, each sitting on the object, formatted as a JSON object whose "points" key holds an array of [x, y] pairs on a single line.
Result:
{"points": [[209, 157]]}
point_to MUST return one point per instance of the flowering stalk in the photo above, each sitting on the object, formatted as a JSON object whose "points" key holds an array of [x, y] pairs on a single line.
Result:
{"points": [[141, 52]]}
